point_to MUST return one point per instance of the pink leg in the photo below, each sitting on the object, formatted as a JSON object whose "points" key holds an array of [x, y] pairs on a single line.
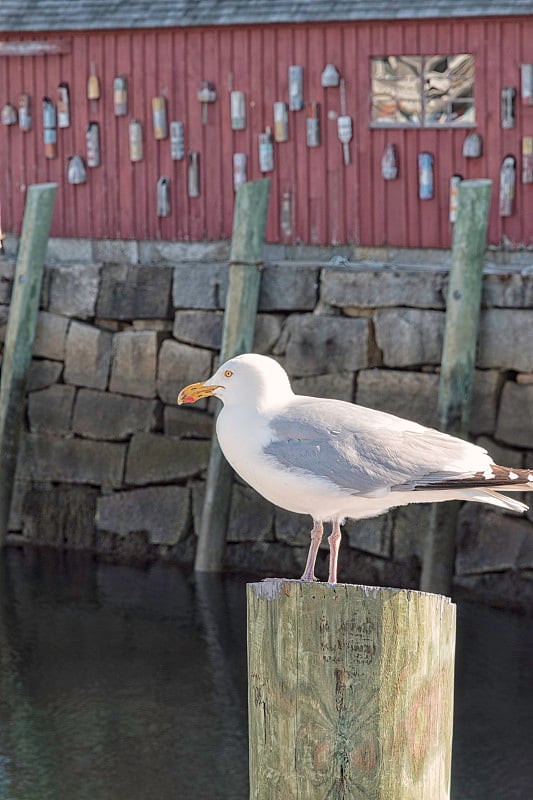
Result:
{"points": [[334, 543], [316, 538]]}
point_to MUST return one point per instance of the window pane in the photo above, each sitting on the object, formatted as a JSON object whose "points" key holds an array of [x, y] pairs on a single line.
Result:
{"points": [[463, 113], [417, 90], [449, 90], [396, 90]]}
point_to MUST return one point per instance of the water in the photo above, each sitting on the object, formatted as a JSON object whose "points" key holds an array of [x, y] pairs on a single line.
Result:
{"points": [[130, 684]]}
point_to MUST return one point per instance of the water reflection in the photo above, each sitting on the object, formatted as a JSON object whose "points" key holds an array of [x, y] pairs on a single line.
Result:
{"points": [[493, 733], [127, 684], [119, 683]]}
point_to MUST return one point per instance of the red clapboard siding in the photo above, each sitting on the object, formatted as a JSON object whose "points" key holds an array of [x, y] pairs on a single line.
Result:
{"points": [[315, 197]]}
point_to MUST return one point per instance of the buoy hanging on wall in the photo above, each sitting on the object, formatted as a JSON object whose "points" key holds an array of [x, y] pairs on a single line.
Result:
{"points": [[296, 88], [507, 107], [455, 181], [207, 94], [49, 128], [472, 146], [177, 141], [76, 172], [25, 120], [238, 111], [425, 176], [527, 159], [312, 125], [92, 138], [330, 76], [120, 96], [93, 87], [281, 122], [163, 197], [389, 163], [9, 115], [159, 113], [266, 151], [507, 186], [526, 84], [63, 106], [193, 174], [136, 140], [345, 133], [239, 170]]}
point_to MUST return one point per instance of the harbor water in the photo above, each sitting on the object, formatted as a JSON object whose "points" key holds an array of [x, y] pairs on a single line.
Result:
{"points": [[124, 683]]}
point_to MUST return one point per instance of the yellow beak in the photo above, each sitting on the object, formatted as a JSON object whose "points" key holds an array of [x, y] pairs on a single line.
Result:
{"points": [[196, 391]]}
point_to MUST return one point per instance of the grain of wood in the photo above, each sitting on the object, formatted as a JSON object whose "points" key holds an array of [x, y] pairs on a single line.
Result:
{"points": [[350, 692]]}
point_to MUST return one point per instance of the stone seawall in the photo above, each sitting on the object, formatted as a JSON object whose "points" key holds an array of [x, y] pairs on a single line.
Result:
{"points": [[109, 463]]}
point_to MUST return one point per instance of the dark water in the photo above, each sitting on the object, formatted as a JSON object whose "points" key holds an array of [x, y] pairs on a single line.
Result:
{"points": [[128, 684]]}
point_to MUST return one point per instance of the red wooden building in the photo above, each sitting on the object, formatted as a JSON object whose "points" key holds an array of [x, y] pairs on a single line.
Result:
{"points": [[419, 76]]}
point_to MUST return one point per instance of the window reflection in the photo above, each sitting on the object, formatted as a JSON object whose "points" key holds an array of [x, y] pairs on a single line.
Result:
{"points": [[423, 90]]}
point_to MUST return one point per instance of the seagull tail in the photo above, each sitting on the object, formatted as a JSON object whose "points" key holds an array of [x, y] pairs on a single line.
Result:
{"points": [[485, 487], [494, 498]]}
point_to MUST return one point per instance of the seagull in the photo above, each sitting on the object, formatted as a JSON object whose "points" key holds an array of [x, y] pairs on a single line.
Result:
{"points": [[335, 460]]}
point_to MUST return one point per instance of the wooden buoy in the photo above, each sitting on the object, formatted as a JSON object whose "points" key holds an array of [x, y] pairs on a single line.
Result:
{"points": [[350, 692]]}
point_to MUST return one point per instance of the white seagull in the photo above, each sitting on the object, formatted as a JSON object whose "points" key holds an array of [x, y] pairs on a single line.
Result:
{"points": [[332, 459]]}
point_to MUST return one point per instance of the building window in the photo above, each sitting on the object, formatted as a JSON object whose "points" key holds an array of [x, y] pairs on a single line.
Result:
{"points": [[422, 91]]}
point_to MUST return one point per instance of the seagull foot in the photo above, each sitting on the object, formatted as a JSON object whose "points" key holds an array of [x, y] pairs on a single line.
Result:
{"points": [[304, 579], [309, 578]]}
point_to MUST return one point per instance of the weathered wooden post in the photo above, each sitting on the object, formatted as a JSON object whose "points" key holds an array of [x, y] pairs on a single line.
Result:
{"points": [[458, 363], [249, 222], [350, 692], [20, 333]]}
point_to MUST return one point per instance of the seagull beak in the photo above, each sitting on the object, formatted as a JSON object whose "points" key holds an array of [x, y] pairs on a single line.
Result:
{"points": [[196, 391]]}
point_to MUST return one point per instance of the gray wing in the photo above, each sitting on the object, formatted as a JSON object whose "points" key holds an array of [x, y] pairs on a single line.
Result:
{"points": [[364, 451]]}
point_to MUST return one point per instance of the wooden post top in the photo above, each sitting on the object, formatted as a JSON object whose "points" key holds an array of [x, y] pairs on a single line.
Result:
{"points": [[350, 692], [274, 588]]}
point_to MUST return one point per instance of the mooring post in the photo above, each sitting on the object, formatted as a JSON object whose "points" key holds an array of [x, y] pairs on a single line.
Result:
{"points": [[458, 364], [350, 692], [21, 323], [249, 223]]}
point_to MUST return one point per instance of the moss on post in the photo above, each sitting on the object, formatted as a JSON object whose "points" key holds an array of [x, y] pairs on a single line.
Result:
{"points": [[249, 223], [20, 333], [463, 306], [458, 364], [350, 692]]}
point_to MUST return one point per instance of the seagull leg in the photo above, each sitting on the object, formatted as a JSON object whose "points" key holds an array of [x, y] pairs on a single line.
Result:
{"points": [[316, 538], [334, 543]]}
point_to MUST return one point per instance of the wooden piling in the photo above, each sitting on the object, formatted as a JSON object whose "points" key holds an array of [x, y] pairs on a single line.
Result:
{"points": [[20, 333], [463, 305], [249, 223], [458, 364], [350, 692]]}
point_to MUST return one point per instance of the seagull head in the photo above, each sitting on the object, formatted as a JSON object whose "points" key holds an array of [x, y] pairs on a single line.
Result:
{"points": [[245, 379]]}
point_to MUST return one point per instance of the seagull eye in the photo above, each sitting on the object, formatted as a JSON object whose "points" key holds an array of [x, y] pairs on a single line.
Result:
{"points": [[228, 373]]}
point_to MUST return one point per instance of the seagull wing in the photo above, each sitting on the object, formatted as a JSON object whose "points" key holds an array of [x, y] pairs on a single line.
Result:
{"points": [[367, 452]]}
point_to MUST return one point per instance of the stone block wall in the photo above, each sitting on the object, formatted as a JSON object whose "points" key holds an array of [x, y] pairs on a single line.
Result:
{"points": [[109, 462]]}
